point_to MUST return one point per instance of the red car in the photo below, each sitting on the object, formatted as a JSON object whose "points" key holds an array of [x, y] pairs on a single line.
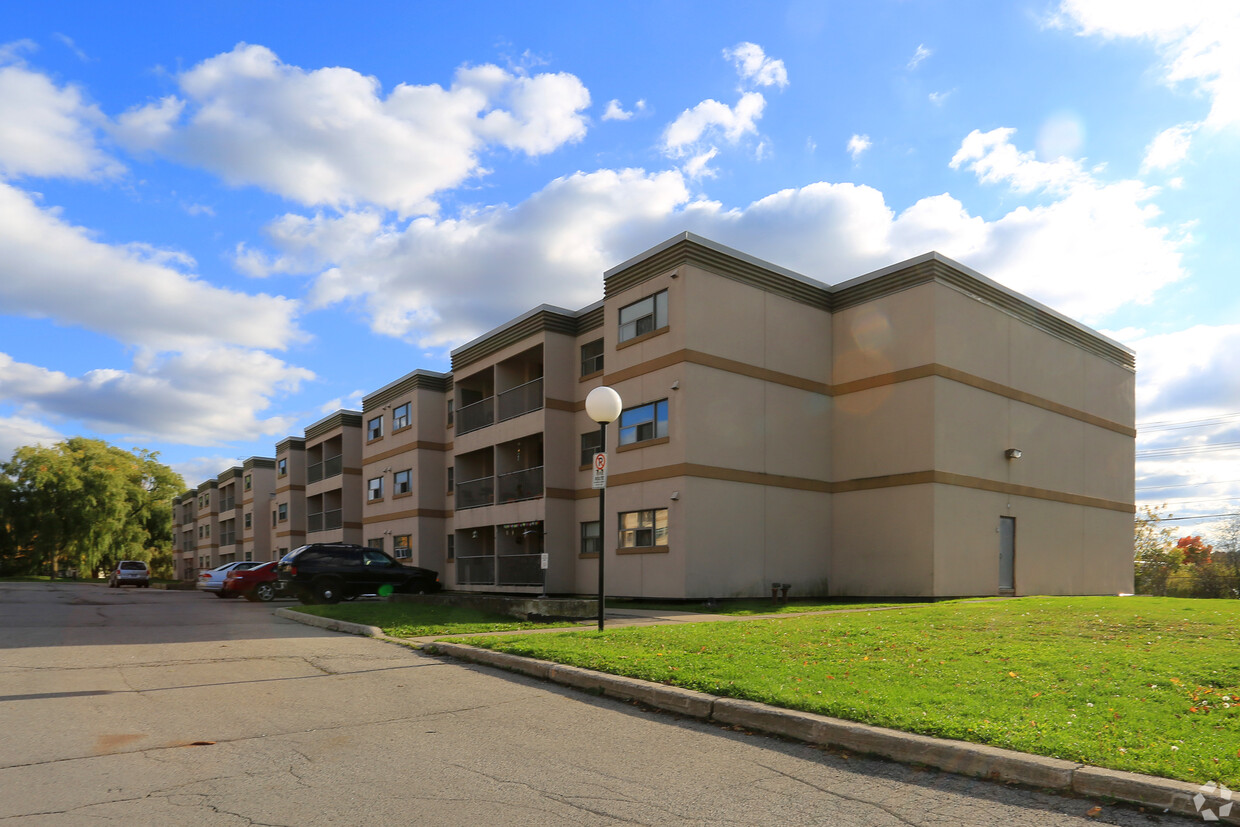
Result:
{"points": [[256, 584]]}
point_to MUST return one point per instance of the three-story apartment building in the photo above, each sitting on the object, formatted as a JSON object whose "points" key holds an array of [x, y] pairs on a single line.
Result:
{"points": [[919, 430]]}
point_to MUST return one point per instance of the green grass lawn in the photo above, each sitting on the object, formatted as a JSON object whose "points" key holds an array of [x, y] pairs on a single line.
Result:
{"points": [[419, 620], [1143, 684], [750, 606]]}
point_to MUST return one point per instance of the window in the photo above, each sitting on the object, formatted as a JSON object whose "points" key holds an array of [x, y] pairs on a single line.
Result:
{"points": [[248, 481], [273, 518], [249, 520], [282, 511], [592, 357], [400, 417], [401, 483], [249, 556], [206, 499], [643, 529], [590, 541], [402, 549], [374, 489], [644, 316], [374, 428], [375, 543], [451, 411], [206, 530], [644, 422], [451, 479], [282, 467], [590, 446], [451, 546]]}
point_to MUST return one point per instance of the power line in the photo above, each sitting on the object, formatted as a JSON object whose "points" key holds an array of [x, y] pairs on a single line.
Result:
{"points": [[1199, 517], [1185, 485], [1185, 423], [1189, 449]]}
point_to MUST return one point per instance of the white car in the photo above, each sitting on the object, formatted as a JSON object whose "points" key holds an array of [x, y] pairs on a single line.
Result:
{"points": [[131, 572], [213, 580]]}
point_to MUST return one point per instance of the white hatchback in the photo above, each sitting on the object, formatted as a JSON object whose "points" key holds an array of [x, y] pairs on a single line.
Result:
{"points": [[213, 580]]}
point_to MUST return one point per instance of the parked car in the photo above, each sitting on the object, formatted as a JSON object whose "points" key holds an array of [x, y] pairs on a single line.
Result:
{"points": [[331, 572], [130, 573], [258, 584], [213, 580]]}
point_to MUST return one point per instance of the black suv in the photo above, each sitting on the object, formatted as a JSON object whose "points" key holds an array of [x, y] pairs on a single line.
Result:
{"points": [[331, 572]]}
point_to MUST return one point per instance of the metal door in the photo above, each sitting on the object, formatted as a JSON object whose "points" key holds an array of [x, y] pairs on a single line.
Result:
{"points": [[1007, 554]]}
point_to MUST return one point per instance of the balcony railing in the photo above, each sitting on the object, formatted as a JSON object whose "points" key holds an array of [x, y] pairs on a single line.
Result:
{"points": [[228, 538], [228, 504], [475, 571], [330, 467], [324, 520], [521, 485], [521, 399], [475, 415], [475, 493], [519, 570]]}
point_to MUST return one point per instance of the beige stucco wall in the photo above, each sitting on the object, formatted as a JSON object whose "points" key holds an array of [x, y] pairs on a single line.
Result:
{"points": [[882, 542]]}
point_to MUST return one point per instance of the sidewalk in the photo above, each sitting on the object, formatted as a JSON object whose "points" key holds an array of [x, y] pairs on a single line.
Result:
{"points": [[1159, 794]]}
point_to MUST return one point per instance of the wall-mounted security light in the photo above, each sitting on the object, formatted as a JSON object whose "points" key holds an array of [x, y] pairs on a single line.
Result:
{"points": [[1012, 453], [675, 495]]}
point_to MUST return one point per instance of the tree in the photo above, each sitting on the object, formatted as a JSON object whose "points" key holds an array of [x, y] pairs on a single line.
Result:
{"points": [[1156, 556], [84, 504]]}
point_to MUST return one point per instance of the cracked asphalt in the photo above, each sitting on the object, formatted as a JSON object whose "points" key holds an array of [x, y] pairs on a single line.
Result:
{"points": [[148, 707]]}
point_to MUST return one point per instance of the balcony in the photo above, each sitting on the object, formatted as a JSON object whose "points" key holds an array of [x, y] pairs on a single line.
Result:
{"points": [[324, 520], [520, 485], [520, 400], [475, 416], [331, 467], [475, 571], [228, 504], [475, 493]]}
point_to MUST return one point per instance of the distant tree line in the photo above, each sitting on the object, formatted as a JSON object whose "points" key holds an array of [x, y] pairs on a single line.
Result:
{"points": [[83, 505], [1185, 566]]}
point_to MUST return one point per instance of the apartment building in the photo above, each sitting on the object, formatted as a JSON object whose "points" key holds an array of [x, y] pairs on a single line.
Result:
{"points": [[920, 430], [288, 506], [216, 523], [407, 468]]}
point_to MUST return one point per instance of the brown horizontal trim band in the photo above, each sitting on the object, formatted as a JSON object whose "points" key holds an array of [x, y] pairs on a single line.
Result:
{"points": [[290, 533], [955, 375], [560, 405], [866, 484], [868, 383], [650, 550], [409, 514], [420, 445], [560, 493], [284, 489]]}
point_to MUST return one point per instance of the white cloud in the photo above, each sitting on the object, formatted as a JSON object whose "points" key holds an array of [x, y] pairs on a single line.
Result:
{"points": [[1168, 148], [616, 112], [696, 167], [212, 395], [755, 67], [1084, 246], [918, 56], [714, 119], [940, 98], [1092, 248], [16, 431], [1199, 41], [47, 130], [858, 144], [133, 293], [330, 137]]}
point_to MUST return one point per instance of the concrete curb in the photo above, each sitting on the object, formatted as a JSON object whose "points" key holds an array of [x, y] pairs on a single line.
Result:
{"points": [[957, 757], [330, 624]]}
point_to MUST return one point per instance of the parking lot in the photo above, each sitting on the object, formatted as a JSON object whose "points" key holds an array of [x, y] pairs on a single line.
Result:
{"points": [[151, 707]]}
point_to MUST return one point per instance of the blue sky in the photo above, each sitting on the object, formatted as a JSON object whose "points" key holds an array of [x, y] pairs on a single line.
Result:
{"points": [[219, 224]]}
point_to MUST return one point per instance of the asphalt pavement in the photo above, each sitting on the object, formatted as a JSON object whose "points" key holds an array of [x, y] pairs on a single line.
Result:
{"points": [[151, 707]]}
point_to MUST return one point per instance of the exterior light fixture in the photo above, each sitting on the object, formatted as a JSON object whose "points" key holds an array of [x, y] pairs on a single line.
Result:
{"points": [[1012, 453], [603, 405]]}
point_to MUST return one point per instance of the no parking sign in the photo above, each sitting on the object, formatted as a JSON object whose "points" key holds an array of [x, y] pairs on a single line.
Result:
{"points": [[600, 470]]}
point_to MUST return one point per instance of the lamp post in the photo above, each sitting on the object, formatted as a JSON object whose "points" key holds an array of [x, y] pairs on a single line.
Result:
{"points": [[602, 405]]}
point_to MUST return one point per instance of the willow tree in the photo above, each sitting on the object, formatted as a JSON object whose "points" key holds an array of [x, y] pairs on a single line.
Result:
{"points": [[85, 504]]}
